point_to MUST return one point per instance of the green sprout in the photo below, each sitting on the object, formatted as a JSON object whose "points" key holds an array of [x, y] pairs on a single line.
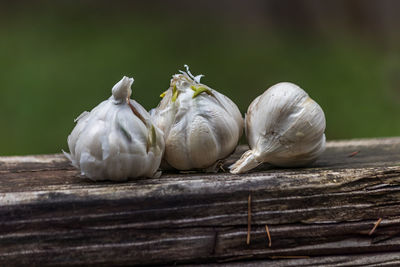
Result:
{"points": [[175, 93], [199, 90], [163, 94]]}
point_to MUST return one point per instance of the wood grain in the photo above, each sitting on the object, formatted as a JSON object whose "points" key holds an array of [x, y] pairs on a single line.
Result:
{"points": [[50, 215]]}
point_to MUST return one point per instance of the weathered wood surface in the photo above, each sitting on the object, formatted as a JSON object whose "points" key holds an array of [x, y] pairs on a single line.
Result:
{"points": [[51, 216]]}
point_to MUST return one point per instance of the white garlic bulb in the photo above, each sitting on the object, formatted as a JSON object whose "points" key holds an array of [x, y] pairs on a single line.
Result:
{"points": [[200, 125], [284, 127], [117, 139]]}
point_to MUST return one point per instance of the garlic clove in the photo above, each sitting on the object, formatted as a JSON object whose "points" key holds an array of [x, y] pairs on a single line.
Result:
{"points": [[284, 127], [201, 138], [117, 139], [200, 125]]}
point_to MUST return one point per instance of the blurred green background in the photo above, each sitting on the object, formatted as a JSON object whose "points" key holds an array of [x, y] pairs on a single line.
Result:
{"points": [[60, 58]]}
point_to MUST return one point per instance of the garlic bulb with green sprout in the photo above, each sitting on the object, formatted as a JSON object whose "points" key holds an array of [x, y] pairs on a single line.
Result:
{"points": [[117, 139], [201, 126], [284, 127]]}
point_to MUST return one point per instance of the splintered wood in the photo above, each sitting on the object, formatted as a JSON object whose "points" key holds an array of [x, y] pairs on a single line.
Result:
{"points": [[375, 226], [268, 235], [248, 219], [352, 154]]}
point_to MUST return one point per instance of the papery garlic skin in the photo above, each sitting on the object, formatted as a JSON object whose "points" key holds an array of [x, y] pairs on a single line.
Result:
{"points": [[117, 139], [200, 125], [284, 127]]}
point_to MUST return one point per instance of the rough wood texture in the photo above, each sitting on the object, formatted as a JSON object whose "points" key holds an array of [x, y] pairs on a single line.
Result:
{"points": [[51, 216]]}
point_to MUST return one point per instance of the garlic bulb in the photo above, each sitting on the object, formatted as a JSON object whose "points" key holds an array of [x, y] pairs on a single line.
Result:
{"points": [[117, 139], [284, 127], [200, 125]]}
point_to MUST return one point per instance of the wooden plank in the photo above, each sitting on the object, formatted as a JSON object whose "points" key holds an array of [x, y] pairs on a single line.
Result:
{"points": [[49, 215], [372, 259]]}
